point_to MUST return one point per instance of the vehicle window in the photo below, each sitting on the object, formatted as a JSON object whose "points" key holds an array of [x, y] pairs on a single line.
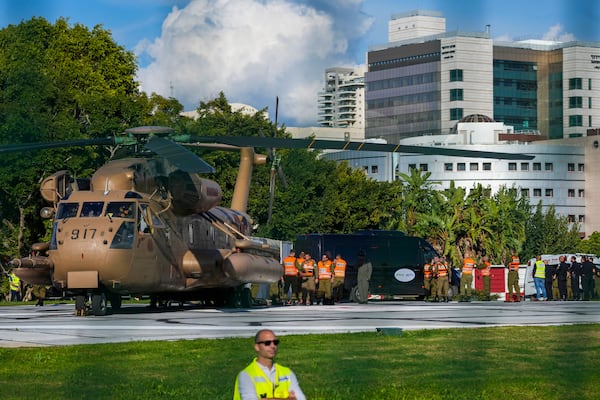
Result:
{"points": [[67, 210], [120, 209], [143, 224], [156, 222], [124, 237], [92, 209]]}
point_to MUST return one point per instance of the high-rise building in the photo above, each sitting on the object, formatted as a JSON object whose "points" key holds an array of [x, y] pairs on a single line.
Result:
{"points": [[341, 102], [423, 83]]}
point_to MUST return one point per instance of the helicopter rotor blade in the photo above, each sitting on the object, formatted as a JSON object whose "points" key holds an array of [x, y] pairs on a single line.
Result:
{"points": [[178, 155], [9, 148], [283, 143]]}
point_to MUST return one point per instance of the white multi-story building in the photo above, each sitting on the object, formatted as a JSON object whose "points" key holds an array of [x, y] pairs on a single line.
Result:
{"points": [[341, 103], [422, 83]]}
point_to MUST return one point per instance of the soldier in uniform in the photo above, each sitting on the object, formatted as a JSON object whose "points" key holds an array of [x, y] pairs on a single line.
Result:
{"points": [[575, 274], [339, 277], [466, 278], [324, 279], [427, 278], [486, 270], [514, 291], [365, 269], [308, 280], [443, 279]]}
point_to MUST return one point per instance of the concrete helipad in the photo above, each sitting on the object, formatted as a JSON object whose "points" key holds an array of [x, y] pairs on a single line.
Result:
{"points": [[53, 325]]}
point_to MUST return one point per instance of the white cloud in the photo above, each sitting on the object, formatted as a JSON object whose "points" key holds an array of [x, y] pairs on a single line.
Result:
{"points": [[253, 51], [556, 33]]}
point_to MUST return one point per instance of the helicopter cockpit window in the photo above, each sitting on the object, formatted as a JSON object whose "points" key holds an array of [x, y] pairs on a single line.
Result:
{"points": [[92, 209], [124, 237], [120, 209], [67, 210], [143, 220]]}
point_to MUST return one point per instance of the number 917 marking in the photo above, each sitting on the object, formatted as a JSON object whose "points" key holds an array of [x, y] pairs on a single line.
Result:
{"points": [[85, 234]]}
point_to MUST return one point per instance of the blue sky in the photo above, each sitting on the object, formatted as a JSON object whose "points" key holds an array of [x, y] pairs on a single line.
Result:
{"points": [[255, 50]]}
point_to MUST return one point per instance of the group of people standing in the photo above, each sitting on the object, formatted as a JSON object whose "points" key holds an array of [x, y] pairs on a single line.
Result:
{"points": [[307, 282], [436, 279], [563, 281]]}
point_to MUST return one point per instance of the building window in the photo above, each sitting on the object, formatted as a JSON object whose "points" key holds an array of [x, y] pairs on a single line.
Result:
{"points": [[571, 218], [461, 166], [524, 166], [487, 166], [575, 120], [448, 166], [571, 167], [456, 75], [575, 102], [580, 167], [574, 83], [512, 166], [412, 166], [473, 166], [582, 219], [589, 83], [571, 193], [456, 113], [589, 102], [366, 169], [524, 192], [537, 166], [423, 167], [548, 166], [374, 169], [456, 94], [581, 193], [590, 121], [549, 192], [537, 192]]}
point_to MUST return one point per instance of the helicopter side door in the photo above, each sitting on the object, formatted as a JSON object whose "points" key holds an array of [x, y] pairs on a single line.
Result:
{"points": [[145, 271]]}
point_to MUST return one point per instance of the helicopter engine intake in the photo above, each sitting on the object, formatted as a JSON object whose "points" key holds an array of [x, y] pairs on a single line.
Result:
{"points": [[192, 194]]}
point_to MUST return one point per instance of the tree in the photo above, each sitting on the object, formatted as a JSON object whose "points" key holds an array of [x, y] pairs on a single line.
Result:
{"points": [[549, 233], [591, 245], [59, 82]]}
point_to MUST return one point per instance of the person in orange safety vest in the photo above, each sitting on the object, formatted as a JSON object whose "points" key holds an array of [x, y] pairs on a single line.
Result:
{"points": [[324, 279], [486, 271], [290, 278], [339, 277], [466, 278]]}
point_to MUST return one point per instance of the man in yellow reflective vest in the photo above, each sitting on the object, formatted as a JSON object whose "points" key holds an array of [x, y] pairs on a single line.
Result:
{"points": [[339, 277], [263, 378], [15, 287], [539, 278]]}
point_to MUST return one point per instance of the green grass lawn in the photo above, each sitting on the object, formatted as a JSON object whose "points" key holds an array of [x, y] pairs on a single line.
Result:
{"points": [[485, 363]]}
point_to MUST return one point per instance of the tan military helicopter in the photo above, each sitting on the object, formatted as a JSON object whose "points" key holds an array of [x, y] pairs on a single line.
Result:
{"points": [[150, 225]]}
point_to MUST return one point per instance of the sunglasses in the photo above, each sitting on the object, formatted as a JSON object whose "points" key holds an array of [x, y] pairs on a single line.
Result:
{"points": [[268, 342]]}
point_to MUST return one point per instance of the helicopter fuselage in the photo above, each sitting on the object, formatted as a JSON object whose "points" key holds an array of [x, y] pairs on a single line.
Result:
{"points": [[143, 229]]}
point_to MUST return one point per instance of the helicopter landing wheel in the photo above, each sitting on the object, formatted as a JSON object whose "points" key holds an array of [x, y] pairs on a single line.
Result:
{"points": [[115, 300], [99, 304]]}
